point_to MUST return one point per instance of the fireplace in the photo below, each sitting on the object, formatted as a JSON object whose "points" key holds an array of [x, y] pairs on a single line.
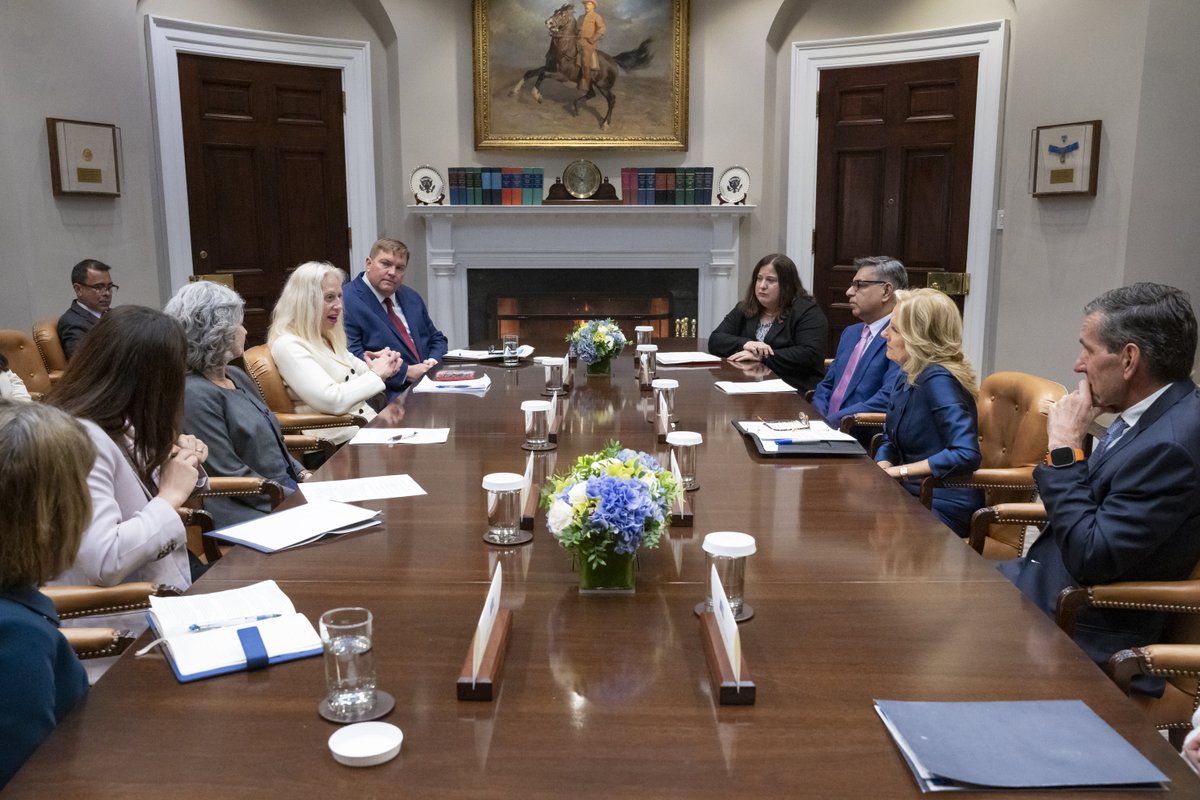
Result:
{"points": [[544, 304]]}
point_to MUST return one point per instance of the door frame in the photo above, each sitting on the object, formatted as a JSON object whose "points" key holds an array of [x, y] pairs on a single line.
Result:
{"points": [[166, 38], [989, 41]]}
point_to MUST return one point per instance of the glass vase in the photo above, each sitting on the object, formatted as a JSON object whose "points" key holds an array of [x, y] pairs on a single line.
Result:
{"points": [[616, 574], [600, 367]]}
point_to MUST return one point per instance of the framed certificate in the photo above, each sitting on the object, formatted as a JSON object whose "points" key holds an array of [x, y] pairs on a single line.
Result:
{"points": [[84, 157], [1065, 159]]}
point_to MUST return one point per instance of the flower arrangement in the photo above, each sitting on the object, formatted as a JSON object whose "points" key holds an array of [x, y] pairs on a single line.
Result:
{"points": [[609, 504], [597, 340]]}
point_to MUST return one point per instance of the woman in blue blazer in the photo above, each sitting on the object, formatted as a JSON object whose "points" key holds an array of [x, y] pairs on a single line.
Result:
{"points": [[932, 426]]}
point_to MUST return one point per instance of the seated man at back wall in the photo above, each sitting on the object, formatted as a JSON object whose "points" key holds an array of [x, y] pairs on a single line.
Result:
{"points": [[94, 290], [861, 376], [1131, 511], [381, 313]]}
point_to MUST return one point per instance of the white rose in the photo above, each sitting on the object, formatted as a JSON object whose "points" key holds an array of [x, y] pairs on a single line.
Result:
{"points": [[559, 517], [577, 494], [651, 481]]}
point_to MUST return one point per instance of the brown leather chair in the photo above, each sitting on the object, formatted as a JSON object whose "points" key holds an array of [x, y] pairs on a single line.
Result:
{"points": [[199, 522], [1012, 437], [23, 359], [999, 531], [262, 369], [1176, 658], [45, 336], [77, 602]]}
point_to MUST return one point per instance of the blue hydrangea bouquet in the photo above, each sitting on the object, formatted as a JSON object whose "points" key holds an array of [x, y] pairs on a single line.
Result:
{"points": [[606, 507], [596, 342]]}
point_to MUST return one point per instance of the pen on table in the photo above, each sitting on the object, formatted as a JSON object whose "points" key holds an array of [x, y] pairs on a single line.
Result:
{"points": [[225, 623], [401, 436]]}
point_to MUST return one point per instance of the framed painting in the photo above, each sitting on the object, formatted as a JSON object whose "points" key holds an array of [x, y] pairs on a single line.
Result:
{"points": [[84, 157], [1065, 159], [604, 74]]}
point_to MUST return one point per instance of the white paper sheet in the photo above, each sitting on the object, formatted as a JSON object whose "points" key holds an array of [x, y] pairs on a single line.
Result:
{"points": [[299, 525], [478, 386], [374, 488], [461, 354], [694, 357], [401, 436], [754, 387]]}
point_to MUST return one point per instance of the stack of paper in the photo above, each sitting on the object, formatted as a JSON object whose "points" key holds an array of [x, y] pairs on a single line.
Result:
{"points": [[1037, 744], [478, 386], [754, 387], [673, 359], [459, 354], [299, 525], [401, 436]]}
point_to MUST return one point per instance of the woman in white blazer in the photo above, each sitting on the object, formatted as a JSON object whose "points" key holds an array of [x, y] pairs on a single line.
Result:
{"points": [[11, 385], [308, 343]]}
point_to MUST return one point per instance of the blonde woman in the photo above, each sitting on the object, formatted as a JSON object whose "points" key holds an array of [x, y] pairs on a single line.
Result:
{"points": [[308, 343], [45, 458], [932, 425]]}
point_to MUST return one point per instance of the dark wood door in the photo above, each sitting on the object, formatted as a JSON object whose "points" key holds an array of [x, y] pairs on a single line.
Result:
{"points": [[894, 153], [266, 173]]}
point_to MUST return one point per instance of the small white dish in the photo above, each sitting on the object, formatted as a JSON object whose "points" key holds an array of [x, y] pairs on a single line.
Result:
{"points": [[366, 744]]}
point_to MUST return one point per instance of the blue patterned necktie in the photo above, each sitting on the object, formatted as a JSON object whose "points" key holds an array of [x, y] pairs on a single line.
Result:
{"points": [[1118, 427]]}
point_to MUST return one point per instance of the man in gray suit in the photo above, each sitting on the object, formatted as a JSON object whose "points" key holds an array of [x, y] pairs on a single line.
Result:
{"points": [[94, 292]]}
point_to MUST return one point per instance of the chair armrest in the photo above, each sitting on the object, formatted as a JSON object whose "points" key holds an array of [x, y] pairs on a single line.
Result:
{"points": [[97, 642], [295, 423], [1159, 660], [1003, 514], [82, 601], [870, 419], [55, 374], [1181, 597], [299, 444], [234, 487], [987, 478]]}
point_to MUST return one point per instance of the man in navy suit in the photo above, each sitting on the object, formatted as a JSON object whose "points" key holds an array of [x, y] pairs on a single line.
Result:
{"points": [[861, 376], [1130, 512], [382, 313], [94, 292]]}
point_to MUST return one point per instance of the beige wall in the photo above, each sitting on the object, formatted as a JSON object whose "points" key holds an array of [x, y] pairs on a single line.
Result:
{"points": [[1130, 63]]}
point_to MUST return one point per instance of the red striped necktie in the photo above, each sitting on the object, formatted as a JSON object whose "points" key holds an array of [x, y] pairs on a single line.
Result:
{"points": [[398, 324]]}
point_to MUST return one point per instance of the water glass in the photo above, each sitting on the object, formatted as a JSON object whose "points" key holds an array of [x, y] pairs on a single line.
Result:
{"points": [[537, 425], [727, 551], [346, 634], [664, 394], [683, 447], [509, 343], [554, 374], [644, 334], [647, 364], [504, 508]]}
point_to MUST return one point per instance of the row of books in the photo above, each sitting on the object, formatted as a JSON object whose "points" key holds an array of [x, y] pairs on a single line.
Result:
{"points": [[665, 186], [496, 186]]}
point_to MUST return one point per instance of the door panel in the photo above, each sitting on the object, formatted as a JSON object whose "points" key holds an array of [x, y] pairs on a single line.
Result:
{"points": [[894, 156], [264, 152]]}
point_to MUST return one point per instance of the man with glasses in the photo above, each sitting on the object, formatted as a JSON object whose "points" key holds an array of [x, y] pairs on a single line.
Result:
{"points": [[861, 377], [94, 292]]}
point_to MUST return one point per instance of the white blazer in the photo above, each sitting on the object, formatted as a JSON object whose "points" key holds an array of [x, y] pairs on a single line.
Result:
{"points": [[324, 381]]}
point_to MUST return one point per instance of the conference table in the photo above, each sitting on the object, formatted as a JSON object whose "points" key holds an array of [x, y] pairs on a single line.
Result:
{"points": [[859, 594]]}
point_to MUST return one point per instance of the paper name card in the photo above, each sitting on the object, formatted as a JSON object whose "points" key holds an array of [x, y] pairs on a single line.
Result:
{"points": [[727, 625], [487, 619]]}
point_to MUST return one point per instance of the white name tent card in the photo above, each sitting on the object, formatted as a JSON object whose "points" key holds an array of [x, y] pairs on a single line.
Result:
{"points": [[480, 674], [727, 669]]}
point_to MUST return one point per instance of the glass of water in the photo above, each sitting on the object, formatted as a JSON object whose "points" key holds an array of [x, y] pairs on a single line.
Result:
{"points": [[349, 662], [509, 343]]}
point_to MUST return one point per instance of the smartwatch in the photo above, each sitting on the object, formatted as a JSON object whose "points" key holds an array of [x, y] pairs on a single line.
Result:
{"points": [[1064, 456]]}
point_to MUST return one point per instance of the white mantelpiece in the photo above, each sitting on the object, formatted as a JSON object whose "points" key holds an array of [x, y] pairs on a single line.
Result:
{"points": [[459, 238]]}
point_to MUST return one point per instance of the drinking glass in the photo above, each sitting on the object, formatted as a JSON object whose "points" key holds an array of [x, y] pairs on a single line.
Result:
{"points": [[346, 634], [537, 425], [683, 446], [510, 342], [554, 375], [727, 551], [664, 394], [504, 508], [644, 334], [647, 364]]}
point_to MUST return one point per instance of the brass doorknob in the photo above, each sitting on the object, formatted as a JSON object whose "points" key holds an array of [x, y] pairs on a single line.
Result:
{"points": [[203, 254]]}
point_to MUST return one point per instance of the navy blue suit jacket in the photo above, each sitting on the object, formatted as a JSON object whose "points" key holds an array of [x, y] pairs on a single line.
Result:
{"points": [[368, 327], [1132, 514], [935, 419], [871, 384]]}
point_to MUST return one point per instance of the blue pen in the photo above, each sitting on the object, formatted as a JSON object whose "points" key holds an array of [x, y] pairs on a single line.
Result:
{"points": [[225, 623]]}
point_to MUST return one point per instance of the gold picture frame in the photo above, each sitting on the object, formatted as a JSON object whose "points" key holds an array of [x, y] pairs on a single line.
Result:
{"points": [[84, 157], [526, 67], [1065, 159]]}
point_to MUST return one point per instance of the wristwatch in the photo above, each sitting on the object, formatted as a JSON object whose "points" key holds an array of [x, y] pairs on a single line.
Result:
{"points": [[904, 472], [1064, 456]]}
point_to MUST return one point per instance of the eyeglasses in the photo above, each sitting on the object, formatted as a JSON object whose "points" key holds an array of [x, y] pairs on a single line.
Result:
{"points": [[858, 285], [102, 287]]}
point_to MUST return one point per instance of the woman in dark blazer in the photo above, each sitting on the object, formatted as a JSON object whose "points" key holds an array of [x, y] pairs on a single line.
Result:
{"points": [[777, 325], [932, 426]]}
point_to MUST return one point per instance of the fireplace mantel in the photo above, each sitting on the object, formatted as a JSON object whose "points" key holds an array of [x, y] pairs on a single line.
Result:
{"points": [[461, 238]]}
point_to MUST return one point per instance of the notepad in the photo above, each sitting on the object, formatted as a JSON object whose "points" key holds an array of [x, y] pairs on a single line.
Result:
{"points": [[1027, 744], [299, 525], [236, 641]]}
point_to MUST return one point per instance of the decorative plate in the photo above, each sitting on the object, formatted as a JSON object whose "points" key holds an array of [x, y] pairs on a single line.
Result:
{"points": [[734, 186], [427, 186], [582, 178]]}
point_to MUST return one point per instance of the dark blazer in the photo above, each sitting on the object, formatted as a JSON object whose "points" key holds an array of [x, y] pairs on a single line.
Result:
{"points": [[935, 419], [43, 680], [244, 441], [798, 340], [1133, 514], [72, 325], [368, 327], [871, 384]]}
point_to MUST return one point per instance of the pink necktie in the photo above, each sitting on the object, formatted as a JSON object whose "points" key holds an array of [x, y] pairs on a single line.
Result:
{"points": [[398, 324], [839, 392]]}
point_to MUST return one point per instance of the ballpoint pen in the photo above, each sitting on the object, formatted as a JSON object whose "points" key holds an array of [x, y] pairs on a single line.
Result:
{"points": [[226, 623], [402, 436]]}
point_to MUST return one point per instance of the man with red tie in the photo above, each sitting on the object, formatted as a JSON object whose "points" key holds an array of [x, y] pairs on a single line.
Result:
{"points": [[861, 377], [381, 313]]}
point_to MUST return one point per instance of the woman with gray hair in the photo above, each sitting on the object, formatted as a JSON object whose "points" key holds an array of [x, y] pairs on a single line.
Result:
{"points": [[222, 406]]}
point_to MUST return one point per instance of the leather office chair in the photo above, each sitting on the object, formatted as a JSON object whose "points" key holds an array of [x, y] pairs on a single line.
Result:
{"points": [[1012, 438], [79, 602], [262, 369], [45, 336], [24, 360], [1176, 658]]}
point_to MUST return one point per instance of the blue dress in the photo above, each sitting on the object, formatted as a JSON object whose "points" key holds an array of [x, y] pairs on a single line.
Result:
{"points": [[43, 679], [935, 419]]}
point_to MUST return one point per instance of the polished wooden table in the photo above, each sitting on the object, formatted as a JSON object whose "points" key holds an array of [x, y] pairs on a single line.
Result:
{"points": [[859, 592]]}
